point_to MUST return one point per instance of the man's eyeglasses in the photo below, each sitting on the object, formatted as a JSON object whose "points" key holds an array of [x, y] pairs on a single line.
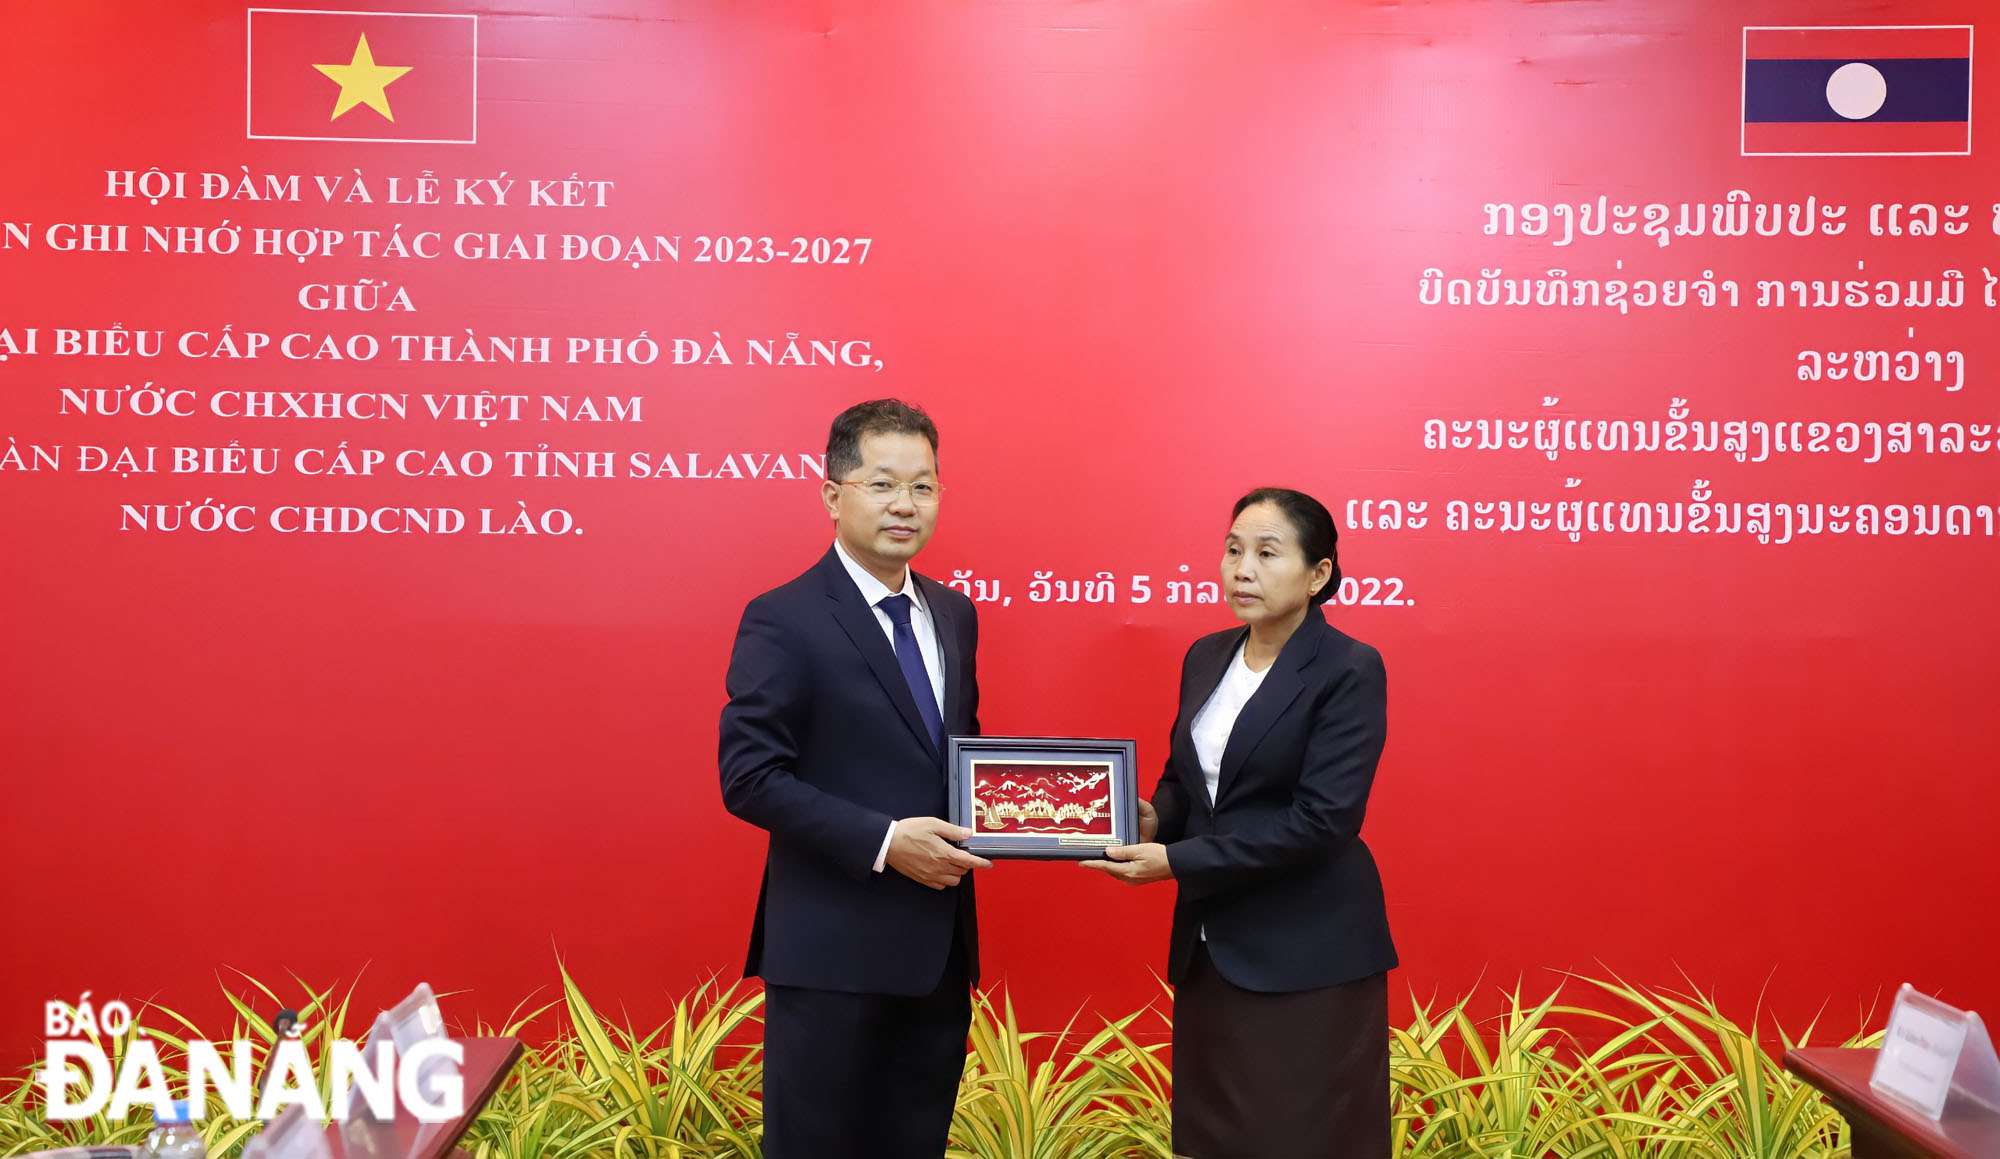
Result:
{"points": [[883, 491]]}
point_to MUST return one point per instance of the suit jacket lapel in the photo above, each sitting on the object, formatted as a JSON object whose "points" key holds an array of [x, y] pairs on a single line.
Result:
{"points": [[1281, 686], [858, 620], [1201, 685], [946, 625]]}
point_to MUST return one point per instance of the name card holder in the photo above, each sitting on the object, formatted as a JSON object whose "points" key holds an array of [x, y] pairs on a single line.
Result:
{"points": [[289, 1136], [397, 1029], [1932, 1049]]}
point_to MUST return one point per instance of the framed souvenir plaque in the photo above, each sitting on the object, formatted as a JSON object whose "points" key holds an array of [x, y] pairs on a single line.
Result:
{"points": [[1044, 797]]}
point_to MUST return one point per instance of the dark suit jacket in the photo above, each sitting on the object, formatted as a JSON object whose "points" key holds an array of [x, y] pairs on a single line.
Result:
{"points": [[1275, 869], [822, 747]]}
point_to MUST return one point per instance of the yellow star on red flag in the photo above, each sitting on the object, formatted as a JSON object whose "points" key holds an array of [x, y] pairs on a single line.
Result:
{"points": [[362, 81]]}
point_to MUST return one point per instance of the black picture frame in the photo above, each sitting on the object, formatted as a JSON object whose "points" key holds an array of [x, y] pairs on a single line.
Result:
{"points": [[974, 761]]}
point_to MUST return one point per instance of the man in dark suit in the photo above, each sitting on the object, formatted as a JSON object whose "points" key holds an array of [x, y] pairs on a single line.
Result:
{"points": [[843, 685]]}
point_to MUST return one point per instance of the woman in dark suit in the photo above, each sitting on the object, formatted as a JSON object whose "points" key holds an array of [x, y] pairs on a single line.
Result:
{"points": [[1280, 946]]}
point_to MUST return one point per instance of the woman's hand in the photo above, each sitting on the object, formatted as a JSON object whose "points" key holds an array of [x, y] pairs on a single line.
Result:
{"points": [[1149, 822], [1135, 864]]}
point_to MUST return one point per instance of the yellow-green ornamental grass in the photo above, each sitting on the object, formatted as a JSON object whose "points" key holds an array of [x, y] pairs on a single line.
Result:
{"points": [[1618, 1071]]}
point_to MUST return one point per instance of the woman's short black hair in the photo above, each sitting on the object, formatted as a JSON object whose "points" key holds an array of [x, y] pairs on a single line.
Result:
{"points": [[1312, 523]]}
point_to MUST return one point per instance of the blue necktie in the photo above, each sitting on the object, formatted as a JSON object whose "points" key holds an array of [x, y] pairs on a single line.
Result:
{"points": [[911, 660]]}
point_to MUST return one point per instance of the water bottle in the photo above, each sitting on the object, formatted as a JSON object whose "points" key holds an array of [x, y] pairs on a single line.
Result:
{"points": [[174, 1136]]}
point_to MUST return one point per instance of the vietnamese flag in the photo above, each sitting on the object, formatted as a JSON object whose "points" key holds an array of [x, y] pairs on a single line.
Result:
{"points": [[363, 76], [1900, 90]]}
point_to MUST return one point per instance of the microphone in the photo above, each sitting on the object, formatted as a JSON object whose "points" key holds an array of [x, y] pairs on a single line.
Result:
{"points": [[284, 1026]]}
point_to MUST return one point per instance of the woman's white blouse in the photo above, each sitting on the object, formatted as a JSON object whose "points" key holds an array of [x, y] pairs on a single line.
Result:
{"points": [[1213, 723]]}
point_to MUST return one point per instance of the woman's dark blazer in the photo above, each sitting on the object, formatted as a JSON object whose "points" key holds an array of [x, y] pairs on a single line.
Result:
{"points": [[1275, 870]]}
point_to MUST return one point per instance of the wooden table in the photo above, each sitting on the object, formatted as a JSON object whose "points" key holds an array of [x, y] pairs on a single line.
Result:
{"points": [[1884, 1128]]}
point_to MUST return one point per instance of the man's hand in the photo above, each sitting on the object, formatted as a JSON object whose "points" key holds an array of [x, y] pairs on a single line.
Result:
{"points": [[1135, 864], [920, 851], [1149, 822]]}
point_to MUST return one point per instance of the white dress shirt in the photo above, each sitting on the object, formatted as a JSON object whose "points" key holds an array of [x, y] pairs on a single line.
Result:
{"points": [[1217, 719], [873, 592]]}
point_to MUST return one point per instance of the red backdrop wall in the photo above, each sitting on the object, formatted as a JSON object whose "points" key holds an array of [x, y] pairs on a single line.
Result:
{"points": [[1135, 259]]}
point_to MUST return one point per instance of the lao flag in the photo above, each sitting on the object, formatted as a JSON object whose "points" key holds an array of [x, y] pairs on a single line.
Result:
{"points": [[362, 76], [1892, 91]]}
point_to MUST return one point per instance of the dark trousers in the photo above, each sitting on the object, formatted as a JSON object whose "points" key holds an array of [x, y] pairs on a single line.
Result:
{"points": [[1301, 1075], [863, 1076]]}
